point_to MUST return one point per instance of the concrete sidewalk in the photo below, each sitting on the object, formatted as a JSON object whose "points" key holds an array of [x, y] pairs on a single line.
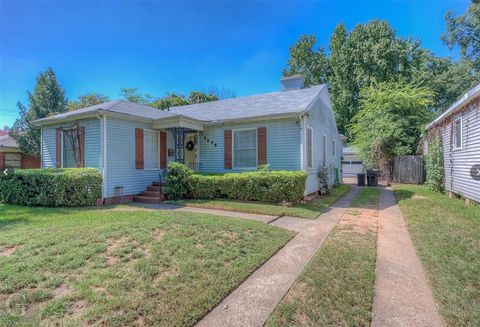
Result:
{"points": [[402, 296], [255, 299]]}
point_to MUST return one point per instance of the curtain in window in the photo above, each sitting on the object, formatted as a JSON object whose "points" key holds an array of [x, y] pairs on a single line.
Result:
{"points": [[245, 149], [150, 148], [69, 136]]}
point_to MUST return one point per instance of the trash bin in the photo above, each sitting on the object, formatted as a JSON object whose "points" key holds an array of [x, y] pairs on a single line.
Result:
{"points": [[372, 177], [361, 179]]}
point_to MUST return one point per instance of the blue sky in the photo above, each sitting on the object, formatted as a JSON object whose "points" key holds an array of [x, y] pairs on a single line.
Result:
{"points": [[159, 47]]}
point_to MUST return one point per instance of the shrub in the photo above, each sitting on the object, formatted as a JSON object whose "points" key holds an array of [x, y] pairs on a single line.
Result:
{"points": [[264, 186], [434, 165], [178, 186], [52, 187]]}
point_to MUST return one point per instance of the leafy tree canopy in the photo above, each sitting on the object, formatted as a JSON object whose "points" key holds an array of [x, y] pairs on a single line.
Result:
{"points": [[170, 100], [200, 97], [464, 31], [131, 95], [48, 98], [87, 100], [391, 118]]}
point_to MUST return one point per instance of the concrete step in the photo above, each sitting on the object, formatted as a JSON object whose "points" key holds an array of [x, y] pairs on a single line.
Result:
{"points": [[153, 194], [148, 199], [157, 183], [154, 188]]}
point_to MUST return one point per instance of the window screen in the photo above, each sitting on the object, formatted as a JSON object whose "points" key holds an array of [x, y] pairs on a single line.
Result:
{"points": [[151, 156], [70, 141], [245, 148], [458, 133]]}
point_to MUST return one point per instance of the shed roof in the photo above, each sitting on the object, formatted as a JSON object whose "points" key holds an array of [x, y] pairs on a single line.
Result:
{"points": [[8, 141]]}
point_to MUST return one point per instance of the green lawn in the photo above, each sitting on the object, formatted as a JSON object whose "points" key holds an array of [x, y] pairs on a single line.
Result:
{"points": [[446, 235], [123, 267], [310, 209], [337, 286]]}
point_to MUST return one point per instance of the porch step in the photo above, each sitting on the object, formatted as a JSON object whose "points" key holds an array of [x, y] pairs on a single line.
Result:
{"points": [[157, 183], [148, 199], [153, 194], [154, 188]]}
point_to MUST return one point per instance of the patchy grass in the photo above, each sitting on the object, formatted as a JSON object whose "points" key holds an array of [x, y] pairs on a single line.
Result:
{"points": [[116, 267], [309, 209], [446, 235], [337, 286]]}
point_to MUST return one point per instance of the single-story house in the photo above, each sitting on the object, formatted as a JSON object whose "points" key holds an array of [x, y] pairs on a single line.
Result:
{"points": [[459, 130], [12, 157], [131, 144], [351, 163]]}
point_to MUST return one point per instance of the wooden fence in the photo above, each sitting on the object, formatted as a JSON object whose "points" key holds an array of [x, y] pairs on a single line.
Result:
{"points": [[408, 169]]}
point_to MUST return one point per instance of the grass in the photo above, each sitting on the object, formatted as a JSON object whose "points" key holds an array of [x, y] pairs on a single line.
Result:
{"points": [[310, 209], [123, 267], [446, 235], [337, 286]]}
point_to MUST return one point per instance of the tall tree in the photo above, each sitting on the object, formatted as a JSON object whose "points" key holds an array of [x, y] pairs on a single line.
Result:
{"points": [[221, 92], [464, 31], [200, 97], [87, 100], [371, 53], [131, 95], [305, 60], [170, 100], [48, 98]]}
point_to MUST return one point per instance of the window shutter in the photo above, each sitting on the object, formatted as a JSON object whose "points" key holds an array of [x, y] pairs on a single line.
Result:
{"points": [[163, 150], [81, 146], [58, 149], [227, 140], [138, 148], [262, 145]]}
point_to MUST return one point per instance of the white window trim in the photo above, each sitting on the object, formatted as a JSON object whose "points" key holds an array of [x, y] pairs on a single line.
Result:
{"points": [[324, 148], [233, 148], [311, 147], [460, 119], [61, 145], [157, 133]]}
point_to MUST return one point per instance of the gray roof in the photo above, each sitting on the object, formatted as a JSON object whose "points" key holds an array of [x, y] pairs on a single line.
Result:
{"points": [[8, 141], [120, 107], [467, 97], [267, 104], [275, 103]]}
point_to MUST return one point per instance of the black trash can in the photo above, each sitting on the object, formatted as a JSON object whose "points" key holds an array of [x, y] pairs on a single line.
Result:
{"points": [[361, 179], [372, 177]]}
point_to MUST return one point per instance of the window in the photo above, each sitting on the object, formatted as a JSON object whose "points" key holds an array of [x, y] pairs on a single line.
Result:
{"points": [[457, 133], [324, 148], [245, 148], [151, 156], [309, 147], [69, 143], [334, 149]]}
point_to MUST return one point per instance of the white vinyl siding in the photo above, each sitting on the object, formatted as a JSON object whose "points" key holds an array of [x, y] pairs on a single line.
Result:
{"points": [[151, 154], [245, 148]]}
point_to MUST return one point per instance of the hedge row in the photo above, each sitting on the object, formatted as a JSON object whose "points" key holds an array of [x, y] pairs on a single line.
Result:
{"points": [[52, 187], [263, 186]]}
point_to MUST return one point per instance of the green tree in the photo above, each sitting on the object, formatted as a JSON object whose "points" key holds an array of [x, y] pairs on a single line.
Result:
{"points": [[48, 98], [170, 100], [200, 97], [434, 165], [305, 60], [370, 54], [392, 116], [464, 31], [87, 100], [131, 95]]}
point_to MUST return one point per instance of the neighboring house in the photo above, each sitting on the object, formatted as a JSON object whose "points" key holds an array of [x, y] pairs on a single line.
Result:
{"points": [[351, 164], [459, 131], [131, 144], [12, 157]]}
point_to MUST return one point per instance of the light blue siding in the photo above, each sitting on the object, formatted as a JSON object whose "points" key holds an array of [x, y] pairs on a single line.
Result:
{"points": [[283, 145], [321, 120], [92, 143], [120, 167]]}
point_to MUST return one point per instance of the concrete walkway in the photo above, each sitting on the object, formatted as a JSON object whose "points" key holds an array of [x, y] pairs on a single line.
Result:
{"points": [[255, 299], [402, 295]]}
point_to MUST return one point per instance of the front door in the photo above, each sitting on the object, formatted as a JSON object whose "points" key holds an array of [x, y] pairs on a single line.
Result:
{"points": [[191, 150]]}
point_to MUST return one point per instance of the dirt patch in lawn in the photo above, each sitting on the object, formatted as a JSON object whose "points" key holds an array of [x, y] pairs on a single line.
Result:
{"points": [[62, 291], [361, 220], [8, 251], [419, 197], [114, 244]]}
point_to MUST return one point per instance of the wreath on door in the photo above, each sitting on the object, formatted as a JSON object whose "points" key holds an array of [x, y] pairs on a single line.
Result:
{"points": [[190, 146]]}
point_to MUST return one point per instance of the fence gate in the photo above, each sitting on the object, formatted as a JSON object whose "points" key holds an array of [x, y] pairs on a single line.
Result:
{"points": [[408, 169]]}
